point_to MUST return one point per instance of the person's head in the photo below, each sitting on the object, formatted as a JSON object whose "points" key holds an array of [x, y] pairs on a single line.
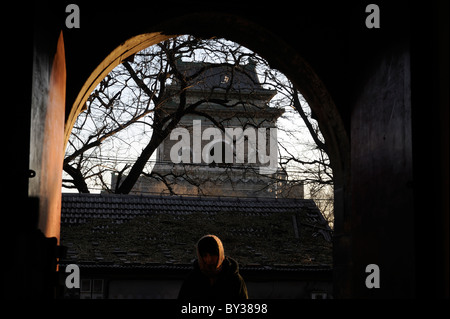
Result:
{"points": [[210, 254]]}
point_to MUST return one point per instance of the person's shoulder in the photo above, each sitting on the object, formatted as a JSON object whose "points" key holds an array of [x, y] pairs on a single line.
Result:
{"points": [[231, 262], [231, 266]]}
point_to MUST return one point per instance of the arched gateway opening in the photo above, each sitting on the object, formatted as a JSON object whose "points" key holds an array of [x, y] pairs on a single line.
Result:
{"points": [[281, 57], [371, 90]]}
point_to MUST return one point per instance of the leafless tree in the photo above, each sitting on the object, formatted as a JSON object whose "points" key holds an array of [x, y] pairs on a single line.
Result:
{"points": [[131, 96], [125, 119]]}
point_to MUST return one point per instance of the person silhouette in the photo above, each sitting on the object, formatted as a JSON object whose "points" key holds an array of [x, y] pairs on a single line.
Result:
{"points": [[215, 276]]}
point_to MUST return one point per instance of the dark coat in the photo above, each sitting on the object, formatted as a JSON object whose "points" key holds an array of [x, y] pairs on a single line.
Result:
{"points": [[229, 284]]}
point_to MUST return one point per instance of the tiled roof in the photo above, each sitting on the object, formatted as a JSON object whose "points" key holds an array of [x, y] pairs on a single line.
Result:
{"points": [[135, 231]]}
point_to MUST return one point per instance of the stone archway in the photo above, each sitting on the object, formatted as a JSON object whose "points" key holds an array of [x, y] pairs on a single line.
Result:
{"points": [[280, 56]]}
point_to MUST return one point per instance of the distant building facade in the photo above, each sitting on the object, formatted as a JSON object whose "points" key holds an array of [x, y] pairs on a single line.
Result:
{"points": [[228, 146]]}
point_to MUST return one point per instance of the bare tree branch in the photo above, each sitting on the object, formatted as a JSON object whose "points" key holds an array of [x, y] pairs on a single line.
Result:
{"points": [[127, 115]]}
